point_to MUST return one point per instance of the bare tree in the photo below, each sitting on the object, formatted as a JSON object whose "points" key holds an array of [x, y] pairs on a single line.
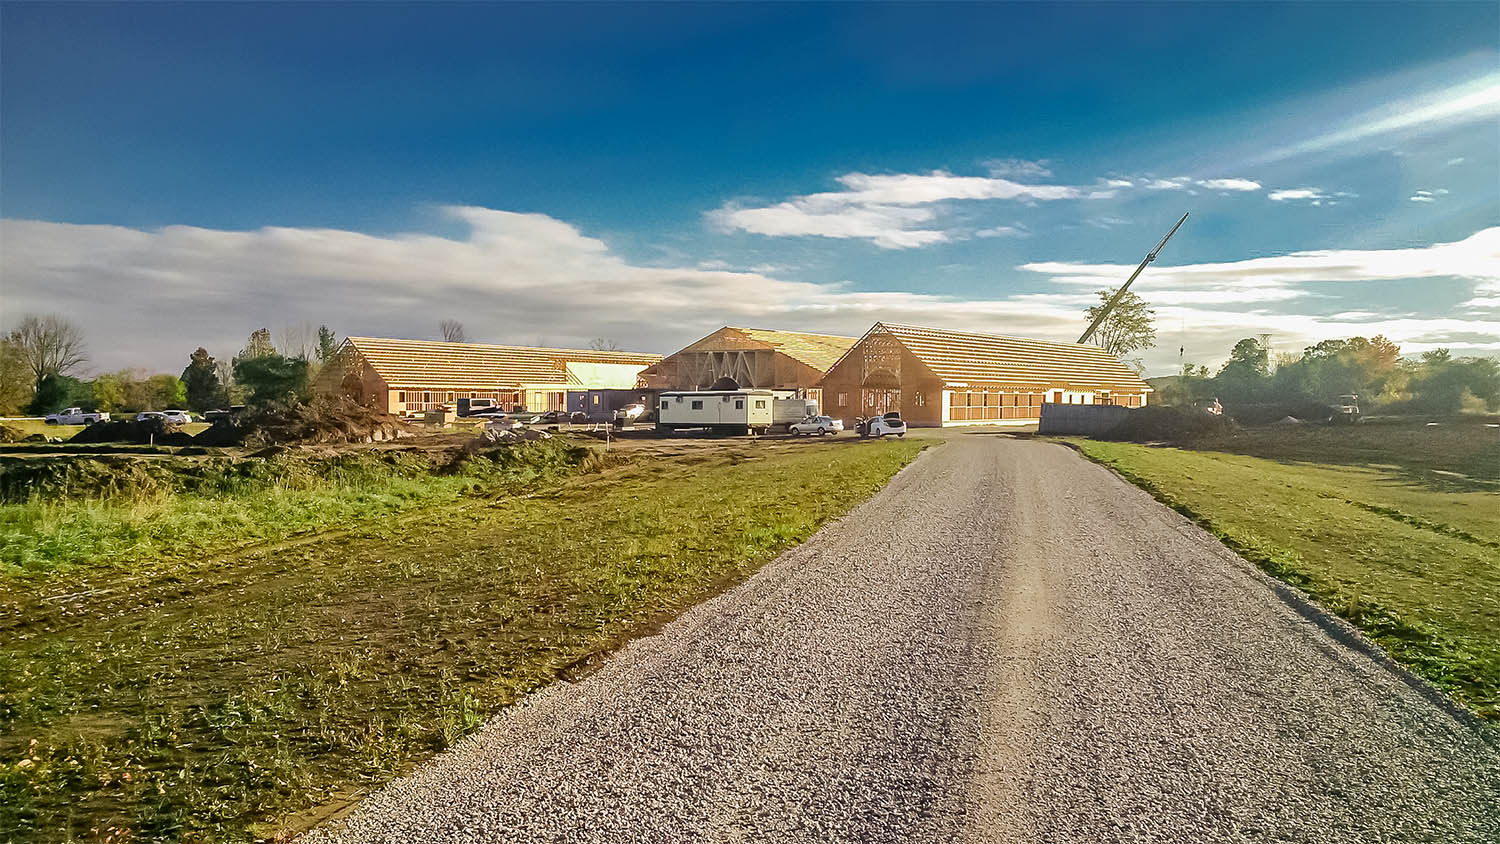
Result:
{"points": [[602, 344], [298, 341], [49, 345], [453, 331]]}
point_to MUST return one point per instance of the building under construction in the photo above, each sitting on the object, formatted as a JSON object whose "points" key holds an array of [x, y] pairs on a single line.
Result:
{"points": [[412, 376], [934, 377], [751, 358]]}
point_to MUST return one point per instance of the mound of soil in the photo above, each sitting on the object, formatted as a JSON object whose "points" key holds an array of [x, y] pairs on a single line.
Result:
{"points": [[11, 435], [144, 431], [1269, 413], [339, 421], [1159, 423]]}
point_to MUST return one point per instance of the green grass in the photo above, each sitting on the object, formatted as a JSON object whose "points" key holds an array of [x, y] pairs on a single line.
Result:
{"points": [[83, 511], [236, 697], [1382, 537]]}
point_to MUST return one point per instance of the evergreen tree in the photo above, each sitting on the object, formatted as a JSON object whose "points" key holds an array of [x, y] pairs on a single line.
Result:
{"points": [[328, 344], [201, 380]]}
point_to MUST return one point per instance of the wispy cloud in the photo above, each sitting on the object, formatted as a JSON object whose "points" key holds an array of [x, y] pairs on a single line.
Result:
{"points": [[1314, 195], [1428, 195], [893, 211], [1229, 184], [1016, 230], [1463, 102]]}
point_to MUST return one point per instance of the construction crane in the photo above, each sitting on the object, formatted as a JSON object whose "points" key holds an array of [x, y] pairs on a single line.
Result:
{"points": [[1115, 299]]}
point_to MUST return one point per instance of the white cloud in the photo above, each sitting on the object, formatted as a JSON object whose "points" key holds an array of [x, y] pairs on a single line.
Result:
{"points": [[893, 211], [1315, 195], [1454, 162], [148, 297], [887, 226], [1428, 195], [1222, 302], [1229, 184], [1178, 183], [1119, 183]]}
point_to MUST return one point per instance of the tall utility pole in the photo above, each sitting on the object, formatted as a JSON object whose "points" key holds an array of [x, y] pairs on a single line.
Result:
{"points": [[1115, 299]]}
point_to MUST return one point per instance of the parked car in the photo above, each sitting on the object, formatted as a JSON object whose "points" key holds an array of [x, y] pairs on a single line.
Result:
{"points": [[177, 417], [149, 414], [223, 413], [879, 426], [74, 416], [578, 417], [819, 425], [1346, 412], [630, 412]]}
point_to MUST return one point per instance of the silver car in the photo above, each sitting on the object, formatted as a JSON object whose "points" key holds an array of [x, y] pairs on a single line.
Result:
{"points": [[819, 425]]}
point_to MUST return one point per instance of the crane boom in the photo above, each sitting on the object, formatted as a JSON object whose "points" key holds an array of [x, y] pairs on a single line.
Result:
{"points": [[1115, 299]]}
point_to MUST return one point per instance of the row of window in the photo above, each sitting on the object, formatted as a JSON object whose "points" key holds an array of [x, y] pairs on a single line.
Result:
{"points": [[975, 399], [971, 405], [739, 404], [419, 400]]}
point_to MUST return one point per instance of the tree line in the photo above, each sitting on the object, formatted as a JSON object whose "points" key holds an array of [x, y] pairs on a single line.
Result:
{"points": [[1435, 382], [41, 357]]}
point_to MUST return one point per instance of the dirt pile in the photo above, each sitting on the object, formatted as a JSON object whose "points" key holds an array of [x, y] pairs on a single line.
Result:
{"points": [[1157, 423], [11, 435], [1270, 413], [338, 421], [153, 430]]}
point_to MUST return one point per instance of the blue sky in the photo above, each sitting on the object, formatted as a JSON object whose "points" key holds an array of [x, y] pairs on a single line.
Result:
{"points": [[177, 175]]}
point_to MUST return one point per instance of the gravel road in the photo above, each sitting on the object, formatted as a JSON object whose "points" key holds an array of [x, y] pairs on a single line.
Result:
{"points": [[1007, 644]]}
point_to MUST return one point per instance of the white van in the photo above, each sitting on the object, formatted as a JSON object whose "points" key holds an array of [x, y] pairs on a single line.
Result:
{"points": [[724, 411]]}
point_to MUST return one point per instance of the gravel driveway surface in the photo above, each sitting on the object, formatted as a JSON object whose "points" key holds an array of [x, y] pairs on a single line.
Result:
{"points": [[1007, 644]]}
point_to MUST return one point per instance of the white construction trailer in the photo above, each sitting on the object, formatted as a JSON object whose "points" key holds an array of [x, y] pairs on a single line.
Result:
{"points": [[722, 411]]}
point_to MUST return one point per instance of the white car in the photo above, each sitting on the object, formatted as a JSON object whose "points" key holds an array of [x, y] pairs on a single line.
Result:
{"points": [[819, 425], [74, 416], [879, 426], [174, 417]]}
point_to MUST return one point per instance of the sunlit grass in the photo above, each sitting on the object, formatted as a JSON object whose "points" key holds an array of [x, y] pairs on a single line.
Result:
{"points": [[225, 697]]}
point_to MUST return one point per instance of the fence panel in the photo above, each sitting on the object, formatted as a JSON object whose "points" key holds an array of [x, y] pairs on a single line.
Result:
{"points": [[1089, 420]]}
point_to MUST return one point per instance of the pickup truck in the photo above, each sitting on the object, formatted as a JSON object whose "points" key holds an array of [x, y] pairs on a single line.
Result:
{"points": [[75, 416]]}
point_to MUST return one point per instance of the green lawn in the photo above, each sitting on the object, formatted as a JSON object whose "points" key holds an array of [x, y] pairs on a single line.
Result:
{"points": [[1405, 546], [236, 697]]}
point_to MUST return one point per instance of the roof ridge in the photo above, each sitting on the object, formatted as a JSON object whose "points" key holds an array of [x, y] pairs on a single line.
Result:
{"points": [[1087, 346], [800, 333], [353, 339]]}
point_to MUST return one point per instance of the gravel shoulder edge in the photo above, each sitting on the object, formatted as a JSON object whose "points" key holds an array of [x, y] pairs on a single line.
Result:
{"points": [[1336, 628], [651, 642]]}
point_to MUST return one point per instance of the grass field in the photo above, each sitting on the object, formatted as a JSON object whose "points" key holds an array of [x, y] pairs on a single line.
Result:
{"points": [[239, 696], [105, 512], [1396, 530]]}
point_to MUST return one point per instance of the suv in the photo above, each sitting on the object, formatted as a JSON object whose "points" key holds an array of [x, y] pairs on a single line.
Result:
{"points": [[819, 425]]}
